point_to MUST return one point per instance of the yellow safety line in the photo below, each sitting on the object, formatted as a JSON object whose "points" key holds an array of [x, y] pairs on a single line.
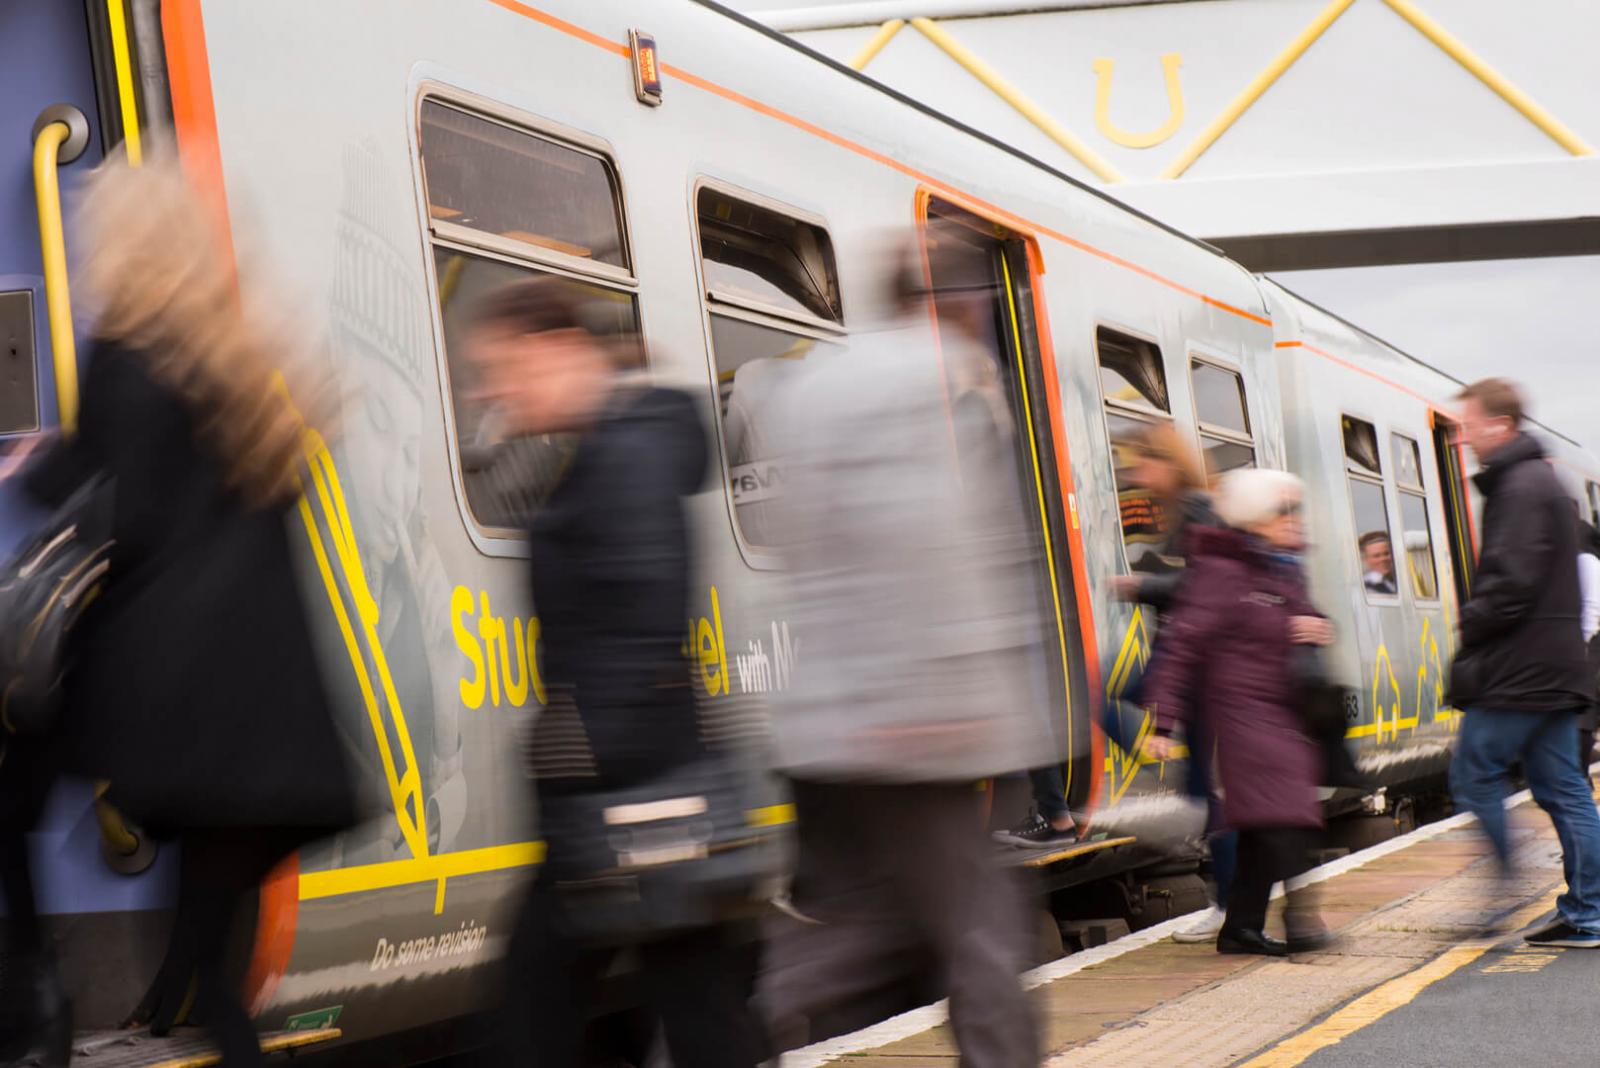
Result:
{"points": [[1258, 85], [1456, 50], [53, 253], [119, 51], [1379, 1002], [884, 35], [1014, 96], [414, 871], [1044, 514]]}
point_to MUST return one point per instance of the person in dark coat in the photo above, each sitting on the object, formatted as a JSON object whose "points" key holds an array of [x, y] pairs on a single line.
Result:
{"points": [[1520, 675], [609, 558], [191, 682], [1228, 663]]}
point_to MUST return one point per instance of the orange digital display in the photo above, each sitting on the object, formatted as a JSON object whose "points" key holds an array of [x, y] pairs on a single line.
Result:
{"points": [[646, 71]]}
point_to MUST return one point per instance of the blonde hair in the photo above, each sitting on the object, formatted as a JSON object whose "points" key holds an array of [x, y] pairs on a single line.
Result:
{"points": [[1163, 442], [1251, 496], [158, 279]]}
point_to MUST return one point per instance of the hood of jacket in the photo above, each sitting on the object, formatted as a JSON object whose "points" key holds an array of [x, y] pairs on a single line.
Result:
{"points": [[1230, 543]]}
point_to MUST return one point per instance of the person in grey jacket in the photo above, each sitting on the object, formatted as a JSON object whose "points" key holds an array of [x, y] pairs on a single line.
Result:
{"points": [[912, 597]]}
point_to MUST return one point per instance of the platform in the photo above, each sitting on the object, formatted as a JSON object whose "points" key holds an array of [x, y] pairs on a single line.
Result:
{"points": [[1411, 980]]}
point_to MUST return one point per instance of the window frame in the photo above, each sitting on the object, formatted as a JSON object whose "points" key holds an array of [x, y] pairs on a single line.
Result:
{"points": [[1204, 430], [496, 541], [1109, 406], [1420, 492], [757, 313], [1381, 480]]}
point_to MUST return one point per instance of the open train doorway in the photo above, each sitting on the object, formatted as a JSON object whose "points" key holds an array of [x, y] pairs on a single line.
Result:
{"points": [[982, 277], [1457, 505]]}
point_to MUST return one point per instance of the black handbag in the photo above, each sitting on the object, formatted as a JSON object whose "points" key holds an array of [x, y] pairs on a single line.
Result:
{"points": [[44, 589], [1324, 714], [697, 845]]}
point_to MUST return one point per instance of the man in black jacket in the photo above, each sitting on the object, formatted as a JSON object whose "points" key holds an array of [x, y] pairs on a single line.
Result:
{"points": [[1520, 675]]}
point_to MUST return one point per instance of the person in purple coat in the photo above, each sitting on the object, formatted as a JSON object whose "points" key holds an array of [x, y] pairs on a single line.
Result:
{"points": [[1229, 664]]}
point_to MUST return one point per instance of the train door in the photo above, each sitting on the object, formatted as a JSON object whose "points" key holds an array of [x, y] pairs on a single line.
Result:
{"points": [[983, 294], [1457, 508]]}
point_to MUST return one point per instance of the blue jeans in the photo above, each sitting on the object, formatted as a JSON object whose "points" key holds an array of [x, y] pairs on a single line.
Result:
{"points": [[1490, 742]]}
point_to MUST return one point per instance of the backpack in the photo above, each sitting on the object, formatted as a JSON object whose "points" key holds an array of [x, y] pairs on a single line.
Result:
{"points": [[44, 589]]}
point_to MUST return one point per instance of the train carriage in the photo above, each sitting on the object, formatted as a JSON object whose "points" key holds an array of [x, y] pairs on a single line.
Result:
{"points": [[402, 159]]}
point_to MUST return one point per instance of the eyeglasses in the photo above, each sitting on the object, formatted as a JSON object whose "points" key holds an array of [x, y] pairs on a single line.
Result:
{"points": [[1290, 507]]}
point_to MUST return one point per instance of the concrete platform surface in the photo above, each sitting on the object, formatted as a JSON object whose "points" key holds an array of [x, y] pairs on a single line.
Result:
{"points": [[1413, 979]]}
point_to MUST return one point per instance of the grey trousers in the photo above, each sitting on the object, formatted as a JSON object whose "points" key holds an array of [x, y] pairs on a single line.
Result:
{"points": [[900, 874]]}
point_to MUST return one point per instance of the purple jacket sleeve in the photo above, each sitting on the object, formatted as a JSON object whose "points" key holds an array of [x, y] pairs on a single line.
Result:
{"points": [[1170, 686]]}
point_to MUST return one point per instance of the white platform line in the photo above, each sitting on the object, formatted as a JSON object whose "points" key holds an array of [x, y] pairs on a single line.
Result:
{"points": [[928, 1017]]}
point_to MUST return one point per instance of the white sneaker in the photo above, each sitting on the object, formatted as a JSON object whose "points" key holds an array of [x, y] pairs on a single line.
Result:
{"points": [[1203, 929]]}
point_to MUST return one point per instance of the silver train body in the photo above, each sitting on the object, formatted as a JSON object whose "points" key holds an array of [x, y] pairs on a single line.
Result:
{"points": [[316, 121]]}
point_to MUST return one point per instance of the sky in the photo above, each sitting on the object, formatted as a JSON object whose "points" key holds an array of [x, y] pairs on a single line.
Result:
{"points": [[1529, 320]]}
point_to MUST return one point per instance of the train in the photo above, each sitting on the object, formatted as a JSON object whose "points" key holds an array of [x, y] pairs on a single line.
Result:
{"points": [[717, 187]]}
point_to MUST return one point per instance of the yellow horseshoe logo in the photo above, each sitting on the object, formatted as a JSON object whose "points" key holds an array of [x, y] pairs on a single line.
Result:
{"points": [[1102, 105]]}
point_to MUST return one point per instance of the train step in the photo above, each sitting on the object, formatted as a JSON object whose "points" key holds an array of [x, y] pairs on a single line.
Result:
{"points": [[185, 1047], [1060, 854]]}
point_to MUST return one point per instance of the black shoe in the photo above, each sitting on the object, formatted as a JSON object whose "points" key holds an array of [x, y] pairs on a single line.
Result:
{"points": [[1035, 832], [1562, 933], [1238, 940]]}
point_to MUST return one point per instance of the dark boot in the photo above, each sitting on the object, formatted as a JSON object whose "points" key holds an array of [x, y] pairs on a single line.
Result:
{"points": [[36, 1024]]}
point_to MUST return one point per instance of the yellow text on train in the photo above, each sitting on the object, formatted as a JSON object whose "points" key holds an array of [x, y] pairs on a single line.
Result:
{"points": [[503, 665]]}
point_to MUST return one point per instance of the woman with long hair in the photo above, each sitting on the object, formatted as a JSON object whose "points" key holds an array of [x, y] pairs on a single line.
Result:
{"points": [[192, 685], [1166, 470]]}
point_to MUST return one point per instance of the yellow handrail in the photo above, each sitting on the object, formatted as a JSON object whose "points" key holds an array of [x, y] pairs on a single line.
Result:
{"points": [[53, 249], [118, 24]]}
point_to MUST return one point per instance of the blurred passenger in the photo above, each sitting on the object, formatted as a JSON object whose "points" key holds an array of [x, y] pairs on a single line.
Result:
{"points": [[610, 553], [192, 683], [912, 590], [1228, 663], [1521, 676], [1377, 562], [1166, 468]]}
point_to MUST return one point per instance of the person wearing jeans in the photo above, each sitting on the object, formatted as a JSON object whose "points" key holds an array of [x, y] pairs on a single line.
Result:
{"points": [[1520, 675]]}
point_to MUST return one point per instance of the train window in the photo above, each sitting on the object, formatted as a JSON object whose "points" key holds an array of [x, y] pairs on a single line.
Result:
{"points": [[505, 478], [1594, 504], [755, 256], [485, 176], [772, 292], [1131, 372], [1223, 417], [1134, 380], [1416, 535], [1361, 448], [1364, 471], [508, 205], [1407, 462]]}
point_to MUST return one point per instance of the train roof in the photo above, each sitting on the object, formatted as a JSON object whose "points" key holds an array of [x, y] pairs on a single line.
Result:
{"points": [[956, 124]]}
